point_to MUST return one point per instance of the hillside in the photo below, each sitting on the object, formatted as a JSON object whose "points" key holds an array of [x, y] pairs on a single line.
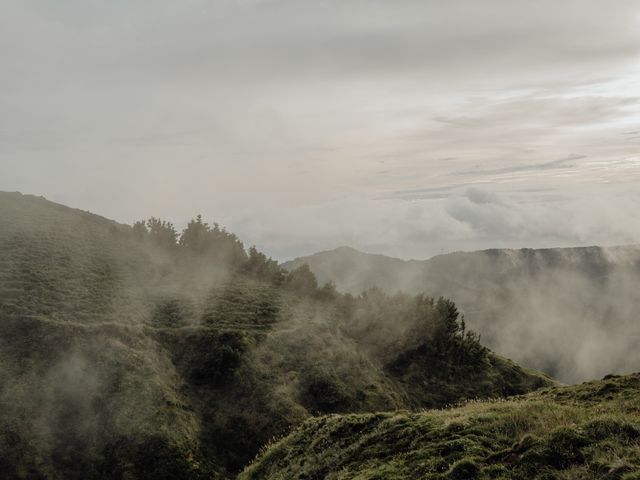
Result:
{"points": [[137, 353], [571, 312], [588, 431]]}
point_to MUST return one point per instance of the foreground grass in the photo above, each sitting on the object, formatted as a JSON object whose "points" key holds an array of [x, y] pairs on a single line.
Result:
{"points": [[589, 431]]}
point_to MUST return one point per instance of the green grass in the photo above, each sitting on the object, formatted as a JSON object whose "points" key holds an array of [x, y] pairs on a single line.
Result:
{"points": [[589, 431], [123, 359]]}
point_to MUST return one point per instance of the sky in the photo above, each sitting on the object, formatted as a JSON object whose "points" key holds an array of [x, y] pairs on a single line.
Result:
{"points": [[405, 127]]}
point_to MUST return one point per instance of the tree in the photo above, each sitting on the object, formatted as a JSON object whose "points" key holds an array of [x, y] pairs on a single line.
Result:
{"points": [[263, 268], [196, 236], [328, 291], [446, 325], [140, 229], [213, 243], [162, 232], [302, 280]]}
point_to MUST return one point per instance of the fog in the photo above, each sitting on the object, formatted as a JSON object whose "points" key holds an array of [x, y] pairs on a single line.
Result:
{"points": [[572, 313], [121, 346], [306, 125], [411, 128]]}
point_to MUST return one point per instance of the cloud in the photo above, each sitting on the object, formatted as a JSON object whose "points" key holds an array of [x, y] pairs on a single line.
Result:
{"points": [[553, 164], [468, 219], [144, 107]]}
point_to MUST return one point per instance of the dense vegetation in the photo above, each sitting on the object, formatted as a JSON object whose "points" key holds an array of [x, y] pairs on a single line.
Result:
{"points": [[570, 312], [589, 431], [138, 352]]}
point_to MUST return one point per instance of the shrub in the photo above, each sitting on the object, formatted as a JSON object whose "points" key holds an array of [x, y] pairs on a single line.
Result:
{"points": [[606, 428], [563, 447], [465, 469]]}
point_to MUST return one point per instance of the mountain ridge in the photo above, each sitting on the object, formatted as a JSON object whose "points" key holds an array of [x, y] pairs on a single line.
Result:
{"points": [[587, 431], [551, 309], [136, 352], [352, 250]]}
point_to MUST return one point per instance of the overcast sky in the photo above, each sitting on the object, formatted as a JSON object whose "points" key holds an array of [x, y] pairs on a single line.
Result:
{"points": [[405, 127]]}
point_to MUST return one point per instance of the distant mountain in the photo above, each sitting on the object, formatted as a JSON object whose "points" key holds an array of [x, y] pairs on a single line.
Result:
{"points": [[127, 354], [571, 312], [588, 431]]}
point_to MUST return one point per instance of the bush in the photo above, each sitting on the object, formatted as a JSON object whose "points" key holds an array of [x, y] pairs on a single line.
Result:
{"points": [[324, 392], [563, 447], [606, 428], [465, 469], [150, 458], [172, 313]]}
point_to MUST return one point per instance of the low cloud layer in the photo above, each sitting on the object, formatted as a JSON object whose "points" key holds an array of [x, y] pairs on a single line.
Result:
{"points": [[469, 218], [407, 128]]}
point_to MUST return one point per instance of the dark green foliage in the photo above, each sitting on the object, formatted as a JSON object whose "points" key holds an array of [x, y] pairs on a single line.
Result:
{"points": [[442, 342], [564, 447], [464, 470], [125, 353], [213, 244], [173, 313], [259, 266], [161, 232], [18, 457], [149, 459], [323, 391], [608, 427], [206, 357], [508, 294], [196, 237], [242, 304], [559, 433], [95, 387], [327, 292], [140, 230], [302, 281]]}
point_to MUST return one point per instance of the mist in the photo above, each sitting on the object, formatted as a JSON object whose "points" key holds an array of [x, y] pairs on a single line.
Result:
{"points": [[303, 126], [186, 192], [128, 349], [570, 312]]}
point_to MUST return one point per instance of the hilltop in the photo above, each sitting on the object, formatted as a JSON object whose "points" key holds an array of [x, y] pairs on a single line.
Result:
{"points": [[138, 352], [570, 312], [588, 431]]}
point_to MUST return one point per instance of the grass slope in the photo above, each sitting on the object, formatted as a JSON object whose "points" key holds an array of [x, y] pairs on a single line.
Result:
{"points": [[588, 431], [123, 359]]}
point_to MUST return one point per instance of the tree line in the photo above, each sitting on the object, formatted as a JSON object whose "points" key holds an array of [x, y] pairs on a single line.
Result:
{"points": [[215, 244]]}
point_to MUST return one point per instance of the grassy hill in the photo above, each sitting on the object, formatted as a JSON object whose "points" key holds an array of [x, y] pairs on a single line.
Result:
{"points": [[127, 353], [588, 431], [570, 312]]}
